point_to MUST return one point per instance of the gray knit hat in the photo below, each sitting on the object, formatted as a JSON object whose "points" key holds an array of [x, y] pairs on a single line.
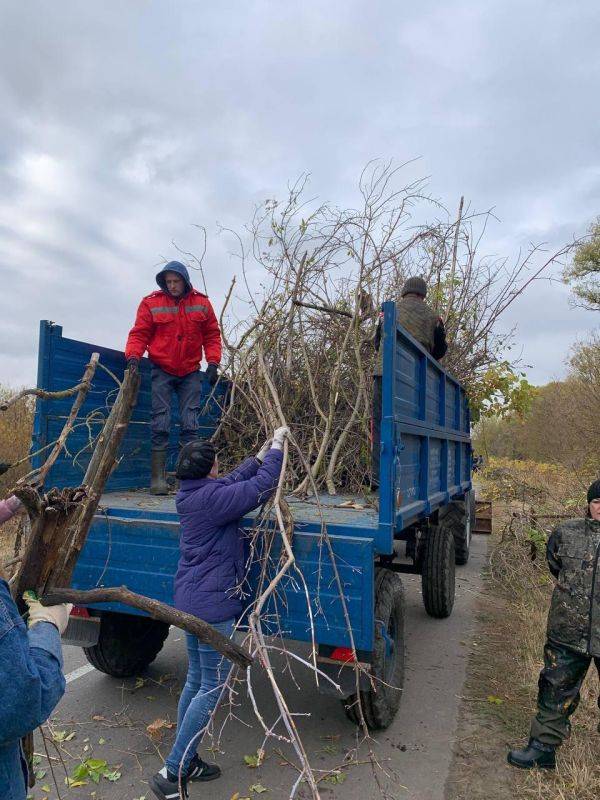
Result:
{"points": [[414, 286]]}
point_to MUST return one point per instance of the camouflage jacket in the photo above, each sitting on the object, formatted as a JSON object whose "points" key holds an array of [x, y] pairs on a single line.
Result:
{"points": [[574, 618], [420, 321]]}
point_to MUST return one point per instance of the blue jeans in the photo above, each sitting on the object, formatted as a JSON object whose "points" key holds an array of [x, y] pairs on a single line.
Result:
{"points": [[207, 673], [189, 394]]}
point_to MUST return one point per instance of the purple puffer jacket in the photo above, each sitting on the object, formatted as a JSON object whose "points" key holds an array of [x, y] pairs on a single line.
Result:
{"points": [[211, 545]]}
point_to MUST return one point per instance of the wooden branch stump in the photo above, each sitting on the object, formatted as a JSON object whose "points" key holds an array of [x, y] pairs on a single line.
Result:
{"points": [[59, 532]]}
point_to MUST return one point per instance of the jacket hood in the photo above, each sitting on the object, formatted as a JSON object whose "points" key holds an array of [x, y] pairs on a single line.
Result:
{"points": [[180, 269]]}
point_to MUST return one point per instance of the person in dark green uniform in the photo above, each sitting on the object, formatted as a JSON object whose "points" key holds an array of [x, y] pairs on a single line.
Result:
{"points": [[424, 325], [573, 633]]}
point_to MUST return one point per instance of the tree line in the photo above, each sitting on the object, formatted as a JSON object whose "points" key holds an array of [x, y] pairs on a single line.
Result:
{"points": [[561, 421]]}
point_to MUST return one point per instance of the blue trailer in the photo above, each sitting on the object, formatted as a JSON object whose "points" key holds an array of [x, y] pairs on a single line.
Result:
{"points": [[420, 523]]}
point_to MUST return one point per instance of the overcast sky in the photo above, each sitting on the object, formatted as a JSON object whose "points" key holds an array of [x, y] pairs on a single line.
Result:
{"points": [[124, 123]]}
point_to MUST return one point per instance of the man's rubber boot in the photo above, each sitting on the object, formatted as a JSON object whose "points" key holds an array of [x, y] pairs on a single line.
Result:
{"points": [[158, 482], [536, 754]]}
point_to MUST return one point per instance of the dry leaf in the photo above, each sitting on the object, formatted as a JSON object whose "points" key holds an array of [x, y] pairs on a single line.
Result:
{"points": [[155, 729], [351, 504]]}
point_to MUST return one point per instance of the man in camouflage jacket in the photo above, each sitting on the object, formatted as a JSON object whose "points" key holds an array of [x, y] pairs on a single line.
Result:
{"points": [[573, 633], [424, 325]]}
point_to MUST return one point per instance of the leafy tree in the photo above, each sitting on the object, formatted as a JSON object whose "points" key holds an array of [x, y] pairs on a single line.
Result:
{"points": [[500, 392], [560, 423], [584, 271]]}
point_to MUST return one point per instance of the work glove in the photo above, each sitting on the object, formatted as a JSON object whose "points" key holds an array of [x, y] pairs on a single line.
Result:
{"points": [[211, 374], [133, 365], [279, 436], [260, 456], [57, 615]]}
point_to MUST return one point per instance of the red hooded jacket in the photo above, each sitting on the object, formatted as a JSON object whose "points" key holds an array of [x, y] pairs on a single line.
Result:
{"points": [[174, 332]]}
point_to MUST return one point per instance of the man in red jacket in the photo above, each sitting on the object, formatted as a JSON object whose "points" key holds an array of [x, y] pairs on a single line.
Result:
{"points": [[174, 325]]}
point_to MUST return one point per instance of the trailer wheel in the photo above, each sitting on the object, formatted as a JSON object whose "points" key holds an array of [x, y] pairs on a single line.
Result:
{"points": [[437, 572], [381, 701], [127, 644], [459, 515]]}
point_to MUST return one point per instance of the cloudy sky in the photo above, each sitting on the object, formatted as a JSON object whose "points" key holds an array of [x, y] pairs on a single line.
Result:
{"points": [[124, 123]]}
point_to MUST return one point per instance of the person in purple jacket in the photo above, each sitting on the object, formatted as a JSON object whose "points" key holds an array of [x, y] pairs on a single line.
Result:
{"points": [[207, 584]]}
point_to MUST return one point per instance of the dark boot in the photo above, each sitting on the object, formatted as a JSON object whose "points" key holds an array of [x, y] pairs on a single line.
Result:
{"points": [[536, 754], [199, 770], [158, 483]]}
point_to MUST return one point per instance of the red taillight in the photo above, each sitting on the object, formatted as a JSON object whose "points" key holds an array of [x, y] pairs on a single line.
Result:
{"points": [[80, 611], [344, 654]]}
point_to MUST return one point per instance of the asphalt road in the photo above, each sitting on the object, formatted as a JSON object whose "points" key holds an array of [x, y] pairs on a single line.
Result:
{"points": [[108, 718]]}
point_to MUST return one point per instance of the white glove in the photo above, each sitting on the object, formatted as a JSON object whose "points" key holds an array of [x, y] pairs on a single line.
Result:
{"points": [[58, 615], [279, 436], [260, 456]]}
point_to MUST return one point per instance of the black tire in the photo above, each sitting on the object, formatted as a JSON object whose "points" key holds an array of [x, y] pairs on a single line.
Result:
{"points": [[459, 515], [127, 644], [438, 570], [381, 702]]}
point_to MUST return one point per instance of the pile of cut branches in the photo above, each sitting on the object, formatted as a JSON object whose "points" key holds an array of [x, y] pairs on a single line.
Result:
{"points": [[314, 278]]}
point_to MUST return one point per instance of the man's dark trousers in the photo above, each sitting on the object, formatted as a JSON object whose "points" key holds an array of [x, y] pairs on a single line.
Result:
{"points": [[558, 695], [189, 391]]}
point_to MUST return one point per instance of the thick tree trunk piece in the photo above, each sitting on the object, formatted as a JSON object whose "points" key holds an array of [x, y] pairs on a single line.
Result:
{"points": [[47, 538], [59, 533], [157, 610], [102, 463]]}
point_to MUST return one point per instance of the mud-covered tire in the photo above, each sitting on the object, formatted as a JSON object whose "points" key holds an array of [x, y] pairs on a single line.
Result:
{"points": [[381, 702], [459, 515], [127, 644], [438, 571]]}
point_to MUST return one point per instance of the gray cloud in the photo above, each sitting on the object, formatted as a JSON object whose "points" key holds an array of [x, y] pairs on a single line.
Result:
{"points": [[119, 130]]}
